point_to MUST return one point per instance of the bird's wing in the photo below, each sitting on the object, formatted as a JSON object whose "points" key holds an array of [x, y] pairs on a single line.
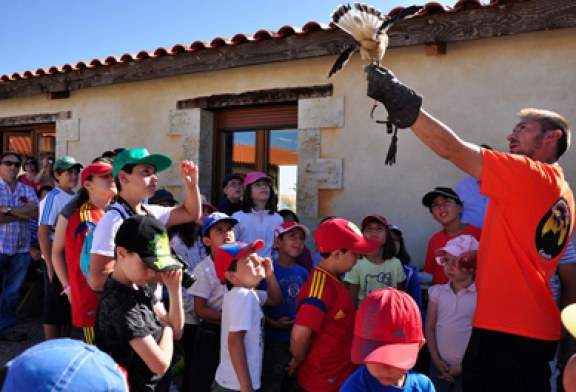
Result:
{"points": [[342, 59], [362, 22], [403, 14]]}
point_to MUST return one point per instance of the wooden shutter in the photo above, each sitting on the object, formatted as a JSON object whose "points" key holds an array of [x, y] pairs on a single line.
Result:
{"points": [[258, 117]]}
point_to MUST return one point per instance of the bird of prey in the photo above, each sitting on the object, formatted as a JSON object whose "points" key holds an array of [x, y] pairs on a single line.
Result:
{"points": [[369, 28]]}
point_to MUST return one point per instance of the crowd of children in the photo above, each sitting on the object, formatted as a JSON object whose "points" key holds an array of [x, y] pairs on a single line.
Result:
{"points": [[260, 315]]}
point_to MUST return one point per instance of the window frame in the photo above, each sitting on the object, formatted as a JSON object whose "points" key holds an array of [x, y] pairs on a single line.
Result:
{"points": [[34, 132], [260, 119]]}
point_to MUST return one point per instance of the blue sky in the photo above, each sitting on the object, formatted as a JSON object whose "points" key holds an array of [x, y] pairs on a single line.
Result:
{"points": [[39, 34]]}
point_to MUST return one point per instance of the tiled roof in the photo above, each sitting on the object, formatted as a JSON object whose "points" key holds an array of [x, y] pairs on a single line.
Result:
{"points": [[430, 8]]}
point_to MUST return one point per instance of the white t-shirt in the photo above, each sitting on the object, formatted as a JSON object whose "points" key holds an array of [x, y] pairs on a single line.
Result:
{"points": [[242, 311], [192, 256], [207, 285], [257, 225], [103, 239], [50, 207]]}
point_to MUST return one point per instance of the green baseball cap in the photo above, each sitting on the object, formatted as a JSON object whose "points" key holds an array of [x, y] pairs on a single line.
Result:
{"points": [[140, 156], [66, 162]]}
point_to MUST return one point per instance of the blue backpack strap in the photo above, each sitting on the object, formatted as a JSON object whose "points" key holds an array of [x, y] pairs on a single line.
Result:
{"points": [[123, 214], [87, 245]]}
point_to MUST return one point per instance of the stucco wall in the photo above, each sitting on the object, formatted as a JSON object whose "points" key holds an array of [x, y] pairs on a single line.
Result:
{"points": [[476, 88]]}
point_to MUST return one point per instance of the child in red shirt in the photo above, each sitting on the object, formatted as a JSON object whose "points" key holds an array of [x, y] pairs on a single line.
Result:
{"points": [[322, 335], [446, 207]]}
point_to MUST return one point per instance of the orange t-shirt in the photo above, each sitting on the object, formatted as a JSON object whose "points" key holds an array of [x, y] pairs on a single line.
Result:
{"points": [[528, 223]]}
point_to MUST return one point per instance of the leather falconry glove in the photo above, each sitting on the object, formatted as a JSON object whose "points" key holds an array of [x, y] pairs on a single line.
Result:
{"points": [[402, 103]]}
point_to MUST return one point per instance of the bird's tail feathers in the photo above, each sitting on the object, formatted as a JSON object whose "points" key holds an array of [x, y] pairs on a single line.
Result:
{"points": [[362, 21], [369, 15], [340, 12]]}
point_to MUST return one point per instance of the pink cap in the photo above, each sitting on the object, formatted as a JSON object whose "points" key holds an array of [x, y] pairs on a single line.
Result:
{"points": [[387, 330], [458, 245], [287, 226], [254, 176]]}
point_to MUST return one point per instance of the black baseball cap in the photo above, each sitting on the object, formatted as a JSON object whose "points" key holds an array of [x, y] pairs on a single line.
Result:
{"points": [[162, 195], [231, 176], [147, 236], [440, 191]]}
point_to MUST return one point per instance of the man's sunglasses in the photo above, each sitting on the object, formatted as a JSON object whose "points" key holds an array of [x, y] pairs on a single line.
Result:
{"points": [[10, 163]]}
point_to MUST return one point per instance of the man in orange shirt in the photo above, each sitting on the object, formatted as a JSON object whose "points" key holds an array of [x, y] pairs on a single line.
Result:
{"points": [[528, 223]]}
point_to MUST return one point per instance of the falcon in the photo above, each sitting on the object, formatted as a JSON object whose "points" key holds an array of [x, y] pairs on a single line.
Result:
{"points": [[369, 28]]}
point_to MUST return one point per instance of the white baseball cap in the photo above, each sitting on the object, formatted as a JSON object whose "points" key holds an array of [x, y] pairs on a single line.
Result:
{"points": [[458, 245], [287, 226]]}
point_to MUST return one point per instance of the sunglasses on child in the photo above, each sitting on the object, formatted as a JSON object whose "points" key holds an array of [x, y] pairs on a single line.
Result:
{"points": [[10, 163]]}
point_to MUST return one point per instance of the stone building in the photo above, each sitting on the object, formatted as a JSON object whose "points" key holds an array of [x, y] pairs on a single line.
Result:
{"points": [[264, 102]]}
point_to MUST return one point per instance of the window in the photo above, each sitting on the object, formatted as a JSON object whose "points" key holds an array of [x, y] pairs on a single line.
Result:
{"points": [[262, 139], [38, 141]]}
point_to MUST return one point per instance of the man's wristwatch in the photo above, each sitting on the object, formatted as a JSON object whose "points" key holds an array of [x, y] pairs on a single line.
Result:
{"points": [[8, 210]]}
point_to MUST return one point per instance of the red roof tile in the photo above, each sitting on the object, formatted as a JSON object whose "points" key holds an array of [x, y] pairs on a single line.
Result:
{"points": [[430, 8], [434, 8], [467, 5], [241, 38]]}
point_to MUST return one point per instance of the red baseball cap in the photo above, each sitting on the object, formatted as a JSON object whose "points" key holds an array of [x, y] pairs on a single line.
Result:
{"points": [[287, 226], [254, 176], [207, 204], [227, 253], [95, 169], [337, 233], [387, 330], [374, 218]]}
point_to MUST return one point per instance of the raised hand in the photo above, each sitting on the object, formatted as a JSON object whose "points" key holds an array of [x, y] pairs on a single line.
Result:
{"points": [[172, 279], [268, 267], [188, 173]]}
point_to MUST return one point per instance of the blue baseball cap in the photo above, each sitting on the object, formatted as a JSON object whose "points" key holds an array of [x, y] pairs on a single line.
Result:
{"points": [[214, 218], [64, 365]]}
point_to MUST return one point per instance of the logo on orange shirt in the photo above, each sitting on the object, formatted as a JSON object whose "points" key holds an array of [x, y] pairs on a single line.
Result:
{"points": [[553, 229], [339, 315]]}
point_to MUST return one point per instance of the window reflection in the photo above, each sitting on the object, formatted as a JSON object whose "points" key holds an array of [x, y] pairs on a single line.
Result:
{"points": [[283, 165], [239, 152], [274, 151]]}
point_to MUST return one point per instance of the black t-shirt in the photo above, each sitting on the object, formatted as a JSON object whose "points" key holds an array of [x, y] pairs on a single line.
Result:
{"points": [[227, 207], [124, 314]]}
